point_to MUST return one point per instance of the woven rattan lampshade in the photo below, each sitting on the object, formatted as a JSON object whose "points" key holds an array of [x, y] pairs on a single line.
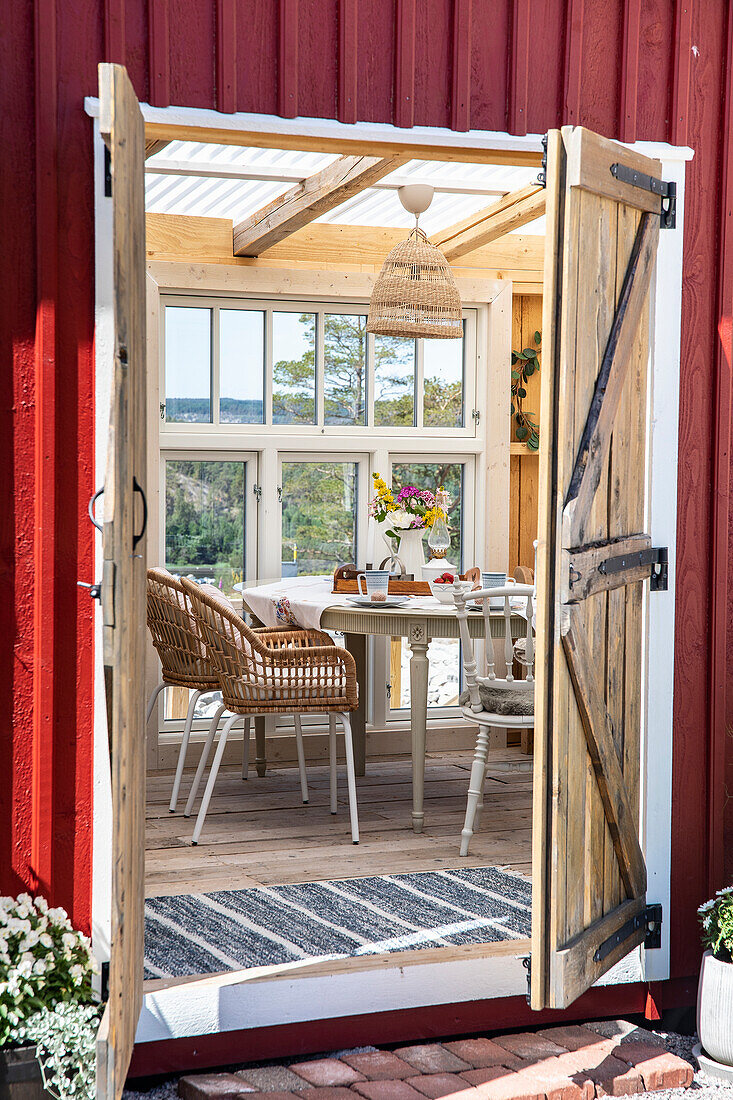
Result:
{"points": [[415, 293]]}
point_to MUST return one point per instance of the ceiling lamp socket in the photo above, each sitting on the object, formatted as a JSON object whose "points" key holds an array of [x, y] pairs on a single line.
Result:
{"points": [[416, 197]]}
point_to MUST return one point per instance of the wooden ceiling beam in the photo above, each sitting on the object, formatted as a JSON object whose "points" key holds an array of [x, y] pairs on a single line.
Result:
{"points": [[316, 195], [514, 210]]}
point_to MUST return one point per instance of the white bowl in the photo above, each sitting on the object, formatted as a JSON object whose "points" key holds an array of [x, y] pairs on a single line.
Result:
{"points": [[444, 592]]}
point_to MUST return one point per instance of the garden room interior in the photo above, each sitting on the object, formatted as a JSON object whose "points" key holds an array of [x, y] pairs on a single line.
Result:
{"points": [[271, 409]]}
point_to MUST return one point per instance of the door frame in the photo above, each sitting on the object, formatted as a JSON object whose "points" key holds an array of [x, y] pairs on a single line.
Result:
{"points": [[374, 988]]}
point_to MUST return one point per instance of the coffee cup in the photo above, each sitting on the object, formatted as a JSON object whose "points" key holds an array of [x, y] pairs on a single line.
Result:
{"points": [[376, 582]]}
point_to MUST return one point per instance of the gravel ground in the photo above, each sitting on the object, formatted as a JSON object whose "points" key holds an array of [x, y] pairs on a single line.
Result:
{"points": [[701, 1088]]}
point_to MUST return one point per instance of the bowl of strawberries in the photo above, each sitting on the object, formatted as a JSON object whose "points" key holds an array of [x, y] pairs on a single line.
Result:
{"points": [[443, 586]]}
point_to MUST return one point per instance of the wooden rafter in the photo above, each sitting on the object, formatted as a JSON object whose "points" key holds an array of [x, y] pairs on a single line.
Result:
{"points": [[316, 195], [515, 209], [152, 147]]}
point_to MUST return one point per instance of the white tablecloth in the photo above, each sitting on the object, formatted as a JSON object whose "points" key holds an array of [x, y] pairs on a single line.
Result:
{"points": [[300, 601]]}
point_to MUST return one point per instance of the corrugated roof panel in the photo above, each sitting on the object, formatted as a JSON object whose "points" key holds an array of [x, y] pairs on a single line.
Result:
{"points": [[175, 192]]}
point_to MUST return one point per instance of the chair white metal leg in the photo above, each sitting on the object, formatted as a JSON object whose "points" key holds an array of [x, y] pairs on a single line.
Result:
{"points": [[351, 777], [332, 762], [245, 748], [212, 778], [204, 757], [301, 757], [151, 701], [184, 749], [475, 786]]}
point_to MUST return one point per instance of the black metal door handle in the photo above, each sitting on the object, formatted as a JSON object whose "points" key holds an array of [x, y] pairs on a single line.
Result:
{"points": [[137, 488], [92, 502]]}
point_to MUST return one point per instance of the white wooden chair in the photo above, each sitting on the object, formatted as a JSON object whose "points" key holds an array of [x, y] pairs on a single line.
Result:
{"points": [[273, 672], [500, 702]]}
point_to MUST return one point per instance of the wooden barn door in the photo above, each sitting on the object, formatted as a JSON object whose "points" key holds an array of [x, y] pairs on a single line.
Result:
{"points": [[123, 583], [589, 874]]}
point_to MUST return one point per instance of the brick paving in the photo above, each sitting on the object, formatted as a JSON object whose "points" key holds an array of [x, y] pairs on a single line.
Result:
{"points": [[556, 1063]]}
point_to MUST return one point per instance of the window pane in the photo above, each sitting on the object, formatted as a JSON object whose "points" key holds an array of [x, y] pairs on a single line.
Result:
{"points": [[444, 654], [241, 366], [394, 381], [443, 383], [345, 368], [319, 504], [187, 364], [294, 368], [432, 476], [204, 521]]}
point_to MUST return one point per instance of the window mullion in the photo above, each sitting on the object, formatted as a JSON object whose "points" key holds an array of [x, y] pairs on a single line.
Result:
{"points": [[320, 370], [268, 367], [370, 368], [419, 380], [215, 371]]}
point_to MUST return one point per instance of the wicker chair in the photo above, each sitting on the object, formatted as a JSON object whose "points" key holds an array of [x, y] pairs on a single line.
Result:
{"points": [[183, 659], [275, 672], [492, 701]]}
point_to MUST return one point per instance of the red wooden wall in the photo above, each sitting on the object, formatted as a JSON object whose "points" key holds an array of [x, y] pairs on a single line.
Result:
{"points": [[633, 69]]}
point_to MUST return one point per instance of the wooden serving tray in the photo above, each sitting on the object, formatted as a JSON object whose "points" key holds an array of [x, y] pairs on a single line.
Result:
{"points": [[344, 580]]}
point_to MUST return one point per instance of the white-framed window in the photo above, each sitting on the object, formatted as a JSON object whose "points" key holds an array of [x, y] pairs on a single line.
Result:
{"points": [[255, 366], [294, 405]]}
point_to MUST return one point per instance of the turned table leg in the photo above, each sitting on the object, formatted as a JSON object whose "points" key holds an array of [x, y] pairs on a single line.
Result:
{"points": [[419, 666]]}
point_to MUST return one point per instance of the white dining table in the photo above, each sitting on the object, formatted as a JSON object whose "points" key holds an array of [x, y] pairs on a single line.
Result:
{"points": [[419, 621]]}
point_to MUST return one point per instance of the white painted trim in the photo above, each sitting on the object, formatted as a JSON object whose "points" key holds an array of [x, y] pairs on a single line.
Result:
{"points": [[656, 776], [206, 1007]]}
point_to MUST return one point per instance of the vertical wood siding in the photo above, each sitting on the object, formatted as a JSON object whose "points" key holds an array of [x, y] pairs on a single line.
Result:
{"points": [[633, 69]]}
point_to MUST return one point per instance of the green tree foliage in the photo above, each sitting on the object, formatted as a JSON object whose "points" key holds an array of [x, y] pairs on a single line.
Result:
{"points": [[319, 514], [204, 518]]}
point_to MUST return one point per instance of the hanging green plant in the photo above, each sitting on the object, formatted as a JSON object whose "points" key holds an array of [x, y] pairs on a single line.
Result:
{"points": [[525, 363]]}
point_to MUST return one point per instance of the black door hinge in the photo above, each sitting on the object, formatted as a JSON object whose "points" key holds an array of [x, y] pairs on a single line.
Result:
{"points": [[107, 173], [542, 175], [104, 976], [656, 556], [649, 918], [527, 964], [666, 189]]}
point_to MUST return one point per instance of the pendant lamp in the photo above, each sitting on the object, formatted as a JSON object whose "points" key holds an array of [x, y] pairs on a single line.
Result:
{"points": [[415, 293]]}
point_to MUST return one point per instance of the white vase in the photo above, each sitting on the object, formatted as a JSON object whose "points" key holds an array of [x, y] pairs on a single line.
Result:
{"points": [[715, 1009], [411, 552]]}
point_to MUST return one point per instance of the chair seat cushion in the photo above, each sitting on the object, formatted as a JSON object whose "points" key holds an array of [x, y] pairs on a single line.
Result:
{"points": [[516, 700]]}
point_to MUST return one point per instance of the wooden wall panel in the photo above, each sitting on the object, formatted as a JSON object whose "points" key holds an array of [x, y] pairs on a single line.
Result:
{"points": [[192, 50]]}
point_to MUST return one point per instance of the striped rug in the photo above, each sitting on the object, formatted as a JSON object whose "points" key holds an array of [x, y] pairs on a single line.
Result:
{"points": [[235, 929]]}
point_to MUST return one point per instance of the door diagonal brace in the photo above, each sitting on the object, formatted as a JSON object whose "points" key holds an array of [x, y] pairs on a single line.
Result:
{"points": [[596, 439]]}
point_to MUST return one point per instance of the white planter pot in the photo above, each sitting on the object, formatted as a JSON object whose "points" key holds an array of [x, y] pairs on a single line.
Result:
{"points": [[715, 1008]]}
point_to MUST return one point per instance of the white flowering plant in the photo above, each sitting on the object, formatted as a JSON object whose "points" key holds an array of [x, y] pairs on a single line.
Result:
{"points": [[716, 919], [43, 961]]}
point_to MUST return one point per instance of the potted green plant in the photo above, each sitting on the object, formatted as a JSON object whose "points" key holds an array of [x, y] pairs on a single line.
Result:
{"points": [[48, 1015], [715, 991]]}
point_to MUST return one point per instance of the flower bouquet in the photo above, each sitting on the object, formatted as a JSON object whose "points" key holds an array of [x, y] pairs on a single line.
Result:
{"points": [[46, 998], [410, 509]]}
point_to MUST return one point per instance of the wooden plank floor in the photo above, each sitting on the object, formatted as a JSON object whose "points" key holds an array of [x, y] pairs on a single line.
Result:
{"points": [[259, 832]]}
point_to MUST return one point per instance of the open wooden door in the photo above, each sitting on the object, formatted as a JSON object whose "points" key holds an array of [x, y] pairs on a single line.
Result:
{"points": [[604, 211], [123, 579]]}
